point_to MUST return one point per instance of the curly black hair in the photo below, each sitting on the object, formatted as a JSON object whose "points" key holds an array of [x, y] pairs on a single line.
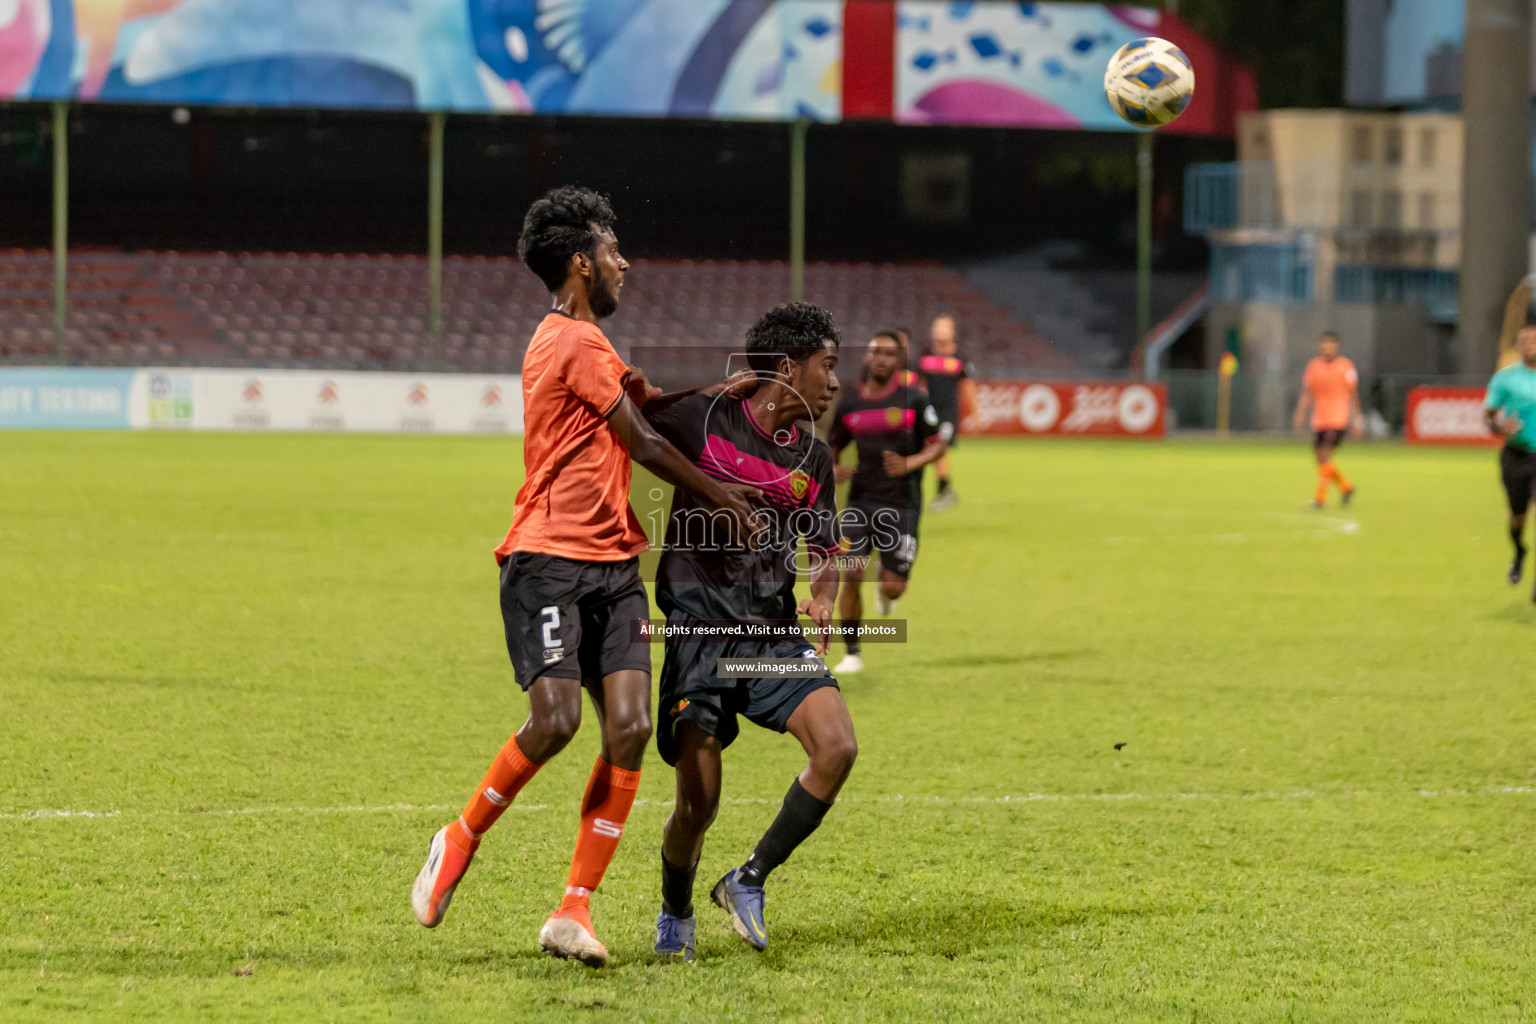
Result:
{"points": [[796, 330], [564, 222]]}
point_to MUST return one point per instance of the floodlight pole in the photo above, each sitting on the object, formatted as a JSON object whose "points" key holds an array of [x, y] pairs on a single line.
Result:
{"points": [[60, 222], [436, 121], [797, 133], [1143, 238]]}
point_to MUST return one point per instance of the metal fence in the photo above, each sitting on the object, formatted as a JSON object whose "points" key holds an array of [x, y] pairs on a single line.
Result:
{"points": [[1280, 272], [1433, 289]]}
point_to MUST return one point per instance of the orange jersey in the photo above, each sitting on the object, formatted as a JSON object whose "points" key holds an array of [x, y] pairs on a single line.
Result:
{"points": [[575, 500], [1330, 385]]}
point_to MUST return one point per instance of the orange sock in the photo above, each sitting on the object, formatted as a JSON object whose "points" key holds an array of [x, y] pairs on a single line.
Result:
{"points": [[1323, 476], [508, 774], [604, 809], [1338, 478]]}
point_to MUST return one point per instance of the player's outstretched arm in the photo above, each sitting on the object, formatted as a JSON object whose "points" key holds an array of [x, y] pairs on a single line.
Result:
{"points": [[1356, 417], [1301, 408], [739, 385], [639, 387], [657, 454]]}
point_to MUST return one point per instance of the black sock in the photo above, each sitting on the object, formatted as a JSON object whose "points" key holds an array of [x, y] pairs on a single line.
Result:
{"points": [[943, 485], [797, 819], [1516, 534], [851, 637], [677, 888]]}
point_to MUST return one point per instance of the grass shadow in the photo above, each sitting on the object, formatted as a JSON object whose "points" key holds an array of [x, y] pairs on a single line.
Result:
{"points": [[952, 930]]}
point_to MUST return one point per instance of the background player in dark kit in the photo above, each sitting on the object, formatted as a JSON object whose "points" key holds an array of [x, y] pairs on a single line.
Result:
{"points": [[756, 440], [570, 583], [897, 432], [949, 381]]}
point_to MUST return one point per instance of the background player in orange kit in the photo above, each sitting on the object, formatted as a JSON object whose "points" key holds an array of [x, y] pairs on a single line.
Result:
{"points": [[570, 580], [1332, 387]]}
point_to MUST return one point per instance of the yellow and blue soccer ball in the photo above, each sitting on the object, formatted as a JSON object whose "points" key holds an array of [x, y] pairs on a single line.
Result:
{"points": [[1149, 82]]}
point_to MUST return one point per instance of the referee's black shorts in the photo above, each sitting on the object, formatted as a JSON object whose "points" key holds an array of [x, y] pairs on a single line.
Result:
{"points": [[1332, 438], [1518, 467]]}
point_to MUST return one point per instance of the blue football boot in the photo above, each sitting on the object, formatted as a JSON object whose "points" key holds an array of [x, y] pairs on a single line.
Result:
{"points": [[674, 936], [745, 904]]}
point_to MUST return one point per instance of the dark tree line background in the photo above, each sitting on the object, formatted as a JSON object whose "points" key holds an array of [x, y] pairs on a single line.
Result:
{"points": [[1295, 47]]}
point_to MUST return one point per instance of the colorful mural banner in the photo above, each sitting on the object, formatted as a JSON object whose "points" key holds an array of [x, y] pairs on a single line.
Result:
{"points": [[1041, 65], [1037, 64], [968, 62], [773, 59]]}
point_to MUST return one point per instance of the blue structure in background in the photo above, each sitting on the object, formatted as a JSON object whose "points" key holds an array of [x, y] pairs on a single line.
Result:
{"points": [[70, 399]]}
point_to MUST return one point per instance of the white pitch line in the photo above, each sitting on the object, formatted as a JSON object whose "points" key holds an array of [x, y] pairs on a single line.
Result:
{"points": [[1021, 798]]}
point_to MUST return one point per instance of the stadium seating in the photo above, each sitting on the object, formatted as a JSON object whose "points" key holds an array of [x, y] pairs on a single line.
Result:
{"points": [[370, 311]]}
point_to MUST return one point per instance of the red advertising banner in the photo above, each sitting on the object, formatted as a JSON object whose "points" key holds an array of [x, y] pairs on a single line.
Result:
{"points": [[1447, 416], [1074, 409]]}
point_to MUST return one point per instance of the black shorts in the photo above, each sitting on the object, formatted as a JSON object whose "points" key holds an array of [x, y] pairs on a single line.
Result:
{"points": [[866, 526], [571, 619], [1330, 438], [1518, 468], [691, 692]]}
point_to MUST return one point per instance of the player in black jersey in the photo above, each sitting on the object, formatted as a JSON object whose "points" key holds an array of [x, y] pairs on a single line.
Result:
{"points": [[950, 382], [897, 433], [704, 580]]}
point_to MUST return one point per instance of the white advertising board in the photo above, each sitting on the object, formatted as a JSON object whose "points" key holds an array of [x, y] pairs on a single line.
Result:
{"points": [[317, 401]]}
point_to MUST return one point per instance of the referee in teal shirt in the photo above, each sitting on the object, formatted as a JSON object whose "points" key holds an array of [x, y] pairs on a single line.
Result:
{"points": [[1511, 408]]}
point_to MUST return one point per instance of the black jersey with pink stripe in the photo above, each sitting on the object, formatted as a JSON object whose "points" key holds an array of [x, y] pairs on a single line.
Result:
{"points": [[941, 375], [702, 574], [895, 418]]}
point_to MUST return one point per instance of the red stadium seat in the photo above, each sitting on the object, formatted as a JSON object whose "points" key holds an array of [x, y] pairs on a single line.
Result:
{"points": [[221, 306]]}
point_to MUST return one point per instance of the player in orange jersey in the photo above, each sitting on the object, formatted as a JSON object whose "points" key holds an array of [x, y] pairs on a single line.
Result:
{"points": [[1332, 388], [570, 580]]}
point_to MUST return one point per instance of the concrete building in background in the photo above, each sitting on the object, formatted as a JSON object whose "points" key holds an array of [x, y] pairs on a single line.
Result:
{"points": [[1356, 220], [1407, 53], [1332, 219]]}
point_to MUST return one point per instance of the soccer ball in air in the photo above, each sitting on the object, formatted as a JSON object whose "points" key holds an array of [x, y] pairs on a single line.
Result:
{"points": [[1149, 82]]}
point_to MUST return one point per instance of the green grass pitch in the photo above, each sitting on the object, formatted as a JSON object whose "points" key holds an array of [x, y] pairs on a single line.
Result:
{"points": [[274, 665]]}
